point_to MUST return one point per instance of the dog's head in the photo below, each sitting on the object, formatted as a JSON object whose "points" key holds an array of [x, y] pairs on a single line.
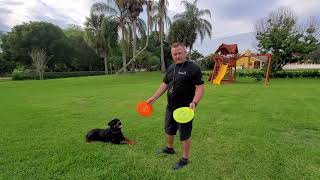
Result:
{"points": [[115, 124]]}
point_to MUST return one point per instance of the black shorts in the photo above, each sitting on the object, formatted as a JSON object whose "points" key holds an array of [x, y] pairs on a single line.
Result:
{"points": [[171, 126]]}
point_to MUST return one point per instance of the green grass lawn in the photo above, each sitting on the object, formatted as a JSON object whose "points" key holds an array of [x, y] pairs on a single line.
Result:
{"points": [[241, 131]]}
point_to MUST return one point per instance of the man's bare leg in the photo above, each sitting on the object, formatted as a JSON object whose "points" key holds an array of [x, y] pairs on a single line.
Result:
{"points": [[186, 148], [170, 139], [185, 154], [169, 147]]}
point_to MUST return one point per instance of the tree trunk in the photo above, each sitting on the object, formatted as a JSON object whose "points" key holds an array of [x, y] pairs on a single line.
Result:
{"points": [[144, 48], [190, 52], [106, 64], [124, 61], [134, 25], [41, 74], [163, 68]]}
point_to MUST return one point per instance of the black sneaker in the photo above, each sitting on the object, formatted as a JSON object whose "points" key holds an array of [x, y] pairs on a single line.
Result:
{"points": [[181, 163], [167, 150]]}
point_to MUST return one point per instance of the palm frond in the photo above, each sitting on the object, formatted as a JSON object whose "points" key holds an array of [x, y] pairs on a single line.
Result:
{"points": [[185, 3], [202, 34], [206, 23], [168, 21], [141, 26], [99, 8], [179, 16], [204, 12]]}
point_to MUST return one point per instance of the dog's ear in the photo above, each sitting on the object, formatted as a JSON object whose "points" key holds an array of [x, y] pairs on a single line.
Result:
{"points": [[116, 119], [113, 122]]}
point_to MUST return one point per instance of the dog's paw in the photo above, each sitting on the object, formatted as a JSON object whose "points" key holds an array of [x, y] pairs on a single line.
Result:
{"points": [[130, 142]]}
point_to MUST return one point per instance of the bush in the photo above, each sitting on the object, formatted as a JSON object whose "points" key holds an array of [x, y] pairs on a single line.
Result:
{"points": [[206, 63], [258, 77], [257, 74], [280, 74], [25, 75], [296, 74], [206, 73], [18, 73]]}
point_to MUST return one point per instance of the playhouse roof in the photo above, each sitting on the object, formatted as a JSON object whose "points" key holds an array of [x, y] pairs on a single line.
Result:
{"points": [[227, 49]]}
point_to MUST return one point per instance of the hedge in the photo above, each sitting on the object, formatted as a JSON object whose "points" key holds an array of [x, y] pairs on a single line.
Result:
{"points": [[279, 74], [54, 75]]}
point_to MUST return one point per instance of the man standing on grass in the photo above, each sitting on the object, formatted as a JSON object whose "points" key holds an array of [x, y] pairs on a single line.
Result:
{"points": [[184, 85]]}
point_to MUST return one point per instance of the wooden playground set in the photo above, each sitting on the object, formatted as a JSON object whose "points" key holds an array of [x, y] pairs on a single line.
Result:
{"points": [[225, 68]]}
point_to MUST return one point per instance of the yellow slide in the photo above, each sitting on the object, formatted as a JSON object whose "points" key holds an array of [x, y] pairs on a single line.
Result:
{"points": [[221, 73]]}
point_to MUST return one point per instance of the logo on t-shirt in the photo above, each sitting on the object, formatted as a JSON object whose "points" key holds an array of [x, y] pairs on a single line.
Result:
{"points": [[183, 73]]}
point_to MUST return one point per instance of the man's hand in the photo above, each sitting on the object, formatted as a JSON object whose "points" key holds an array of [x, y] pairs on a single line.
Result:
{"points": [[151, 100], [163, 87], [193, 106]]}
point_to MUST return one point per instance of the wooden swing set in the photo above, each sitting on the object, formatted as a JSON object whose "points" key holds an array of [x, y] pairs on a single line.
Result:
{"points": [[225, 67]]}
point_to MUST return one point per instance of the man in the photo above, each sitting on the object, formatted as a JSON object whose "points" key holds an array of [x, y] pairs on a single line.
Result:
{"points": [[184, 85]]}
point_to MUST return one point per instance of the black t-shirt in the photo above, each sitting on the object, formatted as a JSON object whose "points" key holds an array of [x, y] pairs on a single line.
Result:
{"points": [[181, 80]]}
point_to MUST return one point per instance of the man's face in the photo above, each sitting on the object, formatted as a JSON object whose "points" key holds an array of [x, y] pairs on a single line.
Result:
{"points": [[178, 54]]}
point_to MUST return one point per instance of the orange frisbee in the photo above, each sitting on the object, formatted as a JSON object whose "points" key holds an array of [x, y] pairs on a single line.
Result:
{"points": [[144, 109]]}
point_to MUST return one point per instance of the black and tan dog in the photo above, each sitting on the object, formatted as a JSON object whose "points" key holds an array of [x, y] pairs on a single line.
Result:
{"points": [[112, 134]]}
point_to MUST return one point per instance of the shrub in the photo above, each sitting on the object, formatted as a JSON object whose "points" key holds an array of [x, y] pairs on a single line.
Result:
{"points": [[24, 75]]}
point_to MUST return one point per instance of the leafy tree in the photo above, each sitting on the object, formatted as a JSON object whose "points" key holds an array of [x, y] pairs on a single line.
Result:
{"points": [[180, 32], [206, 62], [278, 34], [18, 43], [196, 55], [84, 57], [5, 65], [147, 60], [74, 31], [314, 56]]}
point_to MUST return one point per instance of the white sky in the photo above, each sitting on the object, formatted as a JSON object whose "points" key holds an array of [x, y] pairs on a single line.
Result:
{"points": [[229, 17]]}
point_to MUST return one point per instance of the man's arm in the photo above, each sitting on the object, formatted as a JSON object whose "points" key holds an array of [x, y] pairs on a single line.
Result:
{"points": [[197, 97], [163, 87]]}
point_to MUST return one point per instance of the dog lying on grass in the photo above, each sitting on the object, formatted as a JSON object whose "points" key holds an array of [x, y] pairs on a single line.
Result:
{"points": [[112, 134]]}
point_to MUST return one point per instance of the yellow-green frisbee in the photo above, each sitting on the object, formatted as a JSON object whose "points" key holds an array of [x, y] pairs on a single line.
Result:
{"points": [[183, 114]]}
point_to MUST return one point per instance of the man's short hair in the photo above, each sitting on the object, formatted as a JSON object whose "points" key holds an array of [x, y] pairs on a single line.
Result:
{"points": [[177, 44]]}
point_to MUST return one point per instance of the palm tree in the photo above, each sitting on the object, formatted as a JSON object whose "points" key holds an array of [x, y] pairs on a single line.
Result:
{"points": [[135, 7], [117, 9], [126, 13], [180, 31], [193, 15], [160, 17], [93, 33], [110, 37], [101, 34]]}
